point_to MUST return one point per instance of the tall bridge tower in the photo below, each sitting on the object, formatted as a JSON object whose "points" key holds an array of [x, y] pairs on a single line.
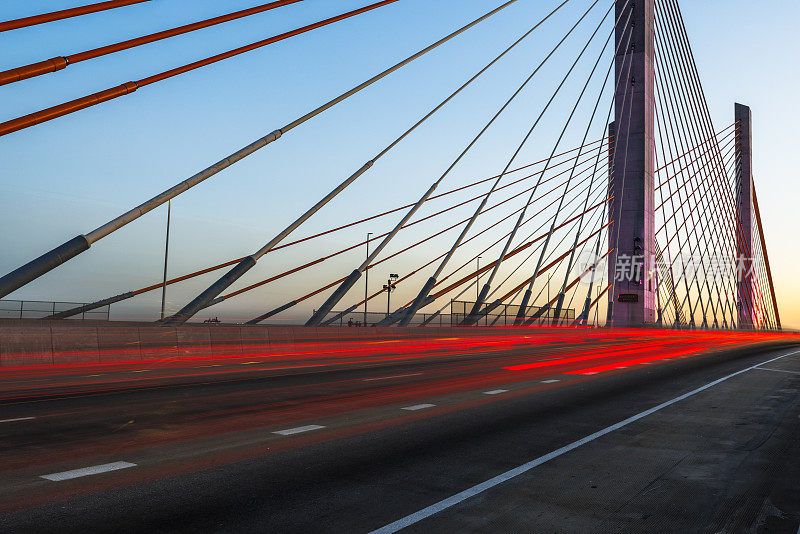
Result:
{"points": [[632, 297], [745, 287]]}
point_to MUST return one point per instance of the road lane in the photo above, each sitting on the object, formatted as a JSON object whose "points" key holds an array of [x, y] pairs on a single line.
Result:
{"points": [[174, 430]]}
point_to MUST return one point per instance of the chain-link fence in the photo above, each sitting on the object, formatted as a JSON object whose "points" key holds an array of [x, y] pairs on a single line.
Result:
{"points": [[356, 318], [503, 315], [38, 309], [506, 314]]}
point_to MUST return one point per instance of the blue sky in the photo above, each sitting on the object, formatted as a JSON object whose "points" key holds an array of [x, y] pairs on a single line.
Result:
{"points": [[73, 174]]}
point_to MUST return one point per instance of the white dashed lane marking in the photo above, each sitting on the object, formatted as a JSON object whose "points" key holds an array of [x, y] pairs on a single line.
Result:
{"points": [[550, 381], [495, 392], [85, 471], [298, 430], [418, 407], [16, 419]]}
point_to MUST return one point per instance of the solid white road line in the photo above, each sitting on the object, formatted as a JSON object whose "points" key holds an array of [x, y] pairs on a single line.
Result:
{"points": [[85, 471], [550, 381], [495, 392], [760, 369], [16, 419], [418, 407], [298, 430], [388, 377], [416, 517]]}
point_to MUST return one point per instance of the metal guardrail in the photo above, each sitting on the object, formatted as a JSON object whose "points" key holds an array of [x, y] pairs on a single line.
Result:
{"points": [[506, 314], [503, 315], [38, 309]]}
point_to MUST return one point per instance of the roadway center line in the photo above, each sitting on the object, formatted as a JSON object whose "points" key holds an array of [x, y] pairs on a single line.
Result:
{"points": [[298, 430], [477, 489], [84, 471], [388, 377], [16, 419], [418, 407], [495, 392]]}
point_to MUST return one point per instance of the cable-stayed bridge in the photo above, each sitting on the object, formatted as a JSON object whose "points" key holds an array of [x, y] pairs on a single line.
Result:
{"points": [[651, 218], [584, 337]]}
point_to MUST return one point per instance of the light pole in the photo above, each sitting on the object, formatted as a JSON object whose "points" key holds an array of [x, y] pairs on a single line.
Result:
{"points": [[166, 255], [366, 282], [478, 284], [478, 281], [548, 296], [389, 286]]}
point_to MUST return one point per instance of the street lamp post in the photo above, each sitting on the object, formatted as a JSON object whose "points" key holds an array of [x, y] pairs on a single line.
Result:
{"points": [[390, 286], [478, 282], [166, 256], [366, 282]]}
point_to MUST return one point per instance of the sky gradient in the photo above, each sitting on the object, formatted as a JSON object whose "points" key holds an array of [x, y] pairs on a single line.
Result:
{"points": [[72, 174]]}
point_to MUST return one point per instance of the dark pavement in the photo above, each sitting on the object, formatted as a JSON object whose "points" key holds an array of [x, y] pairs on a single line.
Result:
{"points": [[355, 440]]}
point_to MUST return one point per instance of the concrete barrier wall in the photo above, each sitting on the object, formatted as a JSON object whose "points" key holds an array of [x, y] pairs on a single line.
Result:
{"points": [[34, 342]]}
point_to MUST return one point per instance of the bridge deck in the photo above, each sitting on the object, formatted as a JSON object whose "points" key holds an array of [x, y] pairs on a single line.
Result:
{"points": [[244, 446]]}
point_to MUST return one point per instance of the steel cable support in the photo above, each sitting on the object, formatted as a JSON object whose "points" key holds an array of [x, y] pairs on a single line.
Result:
{"points": [[65, 14], [402, 312], [728, 149], [677, 229], [309, 264], [544, 269], [498, 302], [446, 193], [362, 243], [675, 128], [659, 106], [469, 261], [528, 320], [452, 286], [426, 288], [700, 107], [549, 305], [585, 136], [61, 62], [763, 244], [701, 104], [523, 307], [683, 102], [698, 157], [532, 217], [131, 294], [474, 313], [127, 88], [681, 106], [528, 240], [337, 295], [339, 281], [50, 260], [208, 296]]}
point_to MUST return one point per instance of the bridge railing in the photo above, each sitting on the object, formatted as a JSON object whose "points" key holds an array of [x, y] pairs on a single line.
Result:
{"points": [[38, 309], [503, 315]]}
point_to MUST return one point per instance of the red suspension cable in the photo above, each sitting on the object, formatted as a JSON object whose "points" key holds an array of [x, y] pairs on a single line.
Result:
{"points": [[65, 14], [62, 62], [78, 104]]}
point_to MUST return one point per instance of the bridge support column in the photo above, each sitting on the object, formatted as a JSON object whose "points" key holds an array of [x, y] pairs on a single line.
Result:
{"points": [[744, 211], [632, 298]]}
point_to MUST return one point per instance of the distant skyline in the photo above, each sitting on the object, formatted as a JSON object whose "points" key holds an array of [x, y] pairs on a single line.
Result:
{"points": [[70, 175]]}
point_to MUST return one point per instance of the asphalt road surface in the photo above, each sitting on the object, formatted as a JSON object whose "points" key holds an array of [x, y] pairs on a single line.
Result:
{"points": [[546, 432]]}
